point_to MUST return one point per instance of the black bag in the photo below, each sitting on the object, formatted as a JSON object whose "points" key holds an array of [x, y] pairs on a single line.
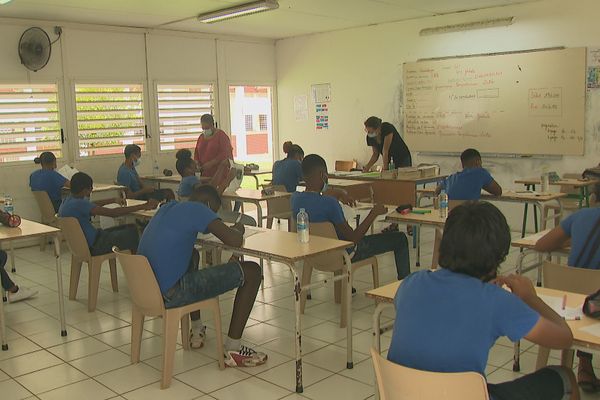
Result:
{"points": [[591, 305]]}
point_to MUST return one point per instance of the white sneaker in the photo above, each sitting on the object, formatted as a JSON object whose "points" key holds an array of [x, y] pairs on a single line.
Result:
{"points": [[22, 294], [197, 338]]}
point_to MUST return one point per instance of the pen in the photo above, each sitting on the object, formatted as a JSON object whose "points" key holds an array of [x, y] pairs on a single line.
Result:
{"points": [[564, 302]]}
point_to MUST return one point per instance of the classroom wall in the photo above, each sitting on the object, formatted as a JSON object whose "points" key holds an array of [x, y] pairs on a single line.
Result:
{"points": [[104, 54], [364, 67]]}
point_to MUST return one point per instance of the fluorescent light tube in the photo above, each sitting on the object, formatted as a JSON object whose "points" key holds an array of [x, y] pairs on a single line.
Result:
{"points": [[489, 23], [238, 11]]}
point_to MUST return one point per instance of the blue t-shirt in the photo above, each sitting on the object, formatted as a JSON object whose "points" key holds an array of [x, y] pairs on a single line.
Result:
{"points": [[318, 207], [49, 181], [447, 322], [466, 184], [82, 210], [287, 172], [128, 177], [578, 227], [169, 239], [186, 185]]}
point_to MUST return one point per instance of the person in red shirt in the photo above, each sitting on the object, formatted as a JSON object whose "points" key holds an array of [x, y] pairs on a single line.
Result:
{"points": [[212, 148]]}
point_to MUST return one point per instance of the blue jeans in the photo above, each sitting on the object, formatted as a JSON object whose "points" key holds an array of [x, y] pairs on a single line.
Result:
{"points": [[7, 283], [202, 284], [381, 243]]}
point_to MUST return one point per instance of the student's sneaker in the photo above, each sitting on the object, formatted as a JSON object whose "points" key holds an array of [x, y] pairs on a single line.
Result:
{"points": [[22, 294], [197, 339], [244, 357]]}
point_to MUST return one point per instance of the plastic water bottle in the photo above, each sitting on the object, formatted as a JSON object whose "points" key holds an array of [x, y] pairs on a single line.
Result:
{"points": [[155, 168], [443, 202], [8, 204], [391, 166], [302, 226]]}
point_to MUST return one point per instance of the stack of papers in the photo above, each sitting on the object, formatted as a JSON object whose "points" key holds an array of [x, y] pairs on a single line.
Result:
{"points": [[569, 313]]}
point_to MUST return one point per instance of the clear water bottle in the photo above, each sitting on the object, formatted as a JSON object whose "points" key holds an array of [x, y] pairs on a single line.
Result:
{"points": [[391, 166], [443, 202], [8, 204], [155, 168], [302, 226]]}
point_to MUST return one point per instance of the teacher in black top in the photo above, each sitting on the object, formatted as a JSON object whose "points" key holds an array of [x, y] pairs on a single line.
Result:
{"points": [[384, 139]]}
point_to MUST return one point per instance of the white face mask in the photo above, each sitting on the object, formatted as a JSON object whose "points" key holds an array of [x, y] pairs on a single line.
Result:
{"points": [[372, 134], [208, 132], [136, 163]]}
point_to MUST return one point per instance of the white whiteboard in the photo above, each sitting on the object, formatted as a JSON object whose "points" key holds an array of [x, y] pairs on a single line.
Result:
{"points": [[519, 103]]}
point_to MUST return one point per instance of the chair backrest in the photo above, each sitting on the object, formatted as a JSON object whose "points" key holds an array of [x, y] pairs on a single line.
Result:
{"points": [[46, 207], [278, 206], [568, 188], [330, 261], [396, 382], [72, 232], [143, 287], [570, 279], [344, 166]]}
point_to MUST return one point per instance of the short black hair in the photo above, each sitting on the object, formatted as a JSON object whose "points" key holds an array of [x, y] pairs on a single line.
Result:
{"points": [[476, 240], [184, 159], [46, 158], [469, 155], [132, 149], [81, 181], [208, 191], [208, 118], [373, 122], [311, 163], [294, 151]]}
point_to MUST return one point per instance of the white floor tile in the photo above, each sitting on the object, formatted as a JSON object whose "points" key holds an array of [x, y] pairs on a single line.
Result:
{"points": [[285, 375], [338, 387], [327, 331], [129, 378], [286, 345], [119, 337], [332, 358], [17, 347], [252, 388], [177, 390], [101, 363], [50, 378], [78, 348], [53, 338], [209, 378], [27, 363], [183, 361], [11, 389], [150, 348], [87, 389], [102, 324]]}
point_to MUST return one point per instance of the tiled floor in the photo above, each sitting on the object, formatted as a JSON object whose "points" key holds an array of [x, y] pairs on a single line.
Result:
{"points": [[92, 362]]}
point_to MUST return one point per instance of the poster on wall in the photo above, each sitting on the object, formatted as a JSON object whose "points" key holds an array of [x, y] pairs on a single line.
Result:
{"points": [[321, 93], [301, 107], [321, 117], [593, 68]]}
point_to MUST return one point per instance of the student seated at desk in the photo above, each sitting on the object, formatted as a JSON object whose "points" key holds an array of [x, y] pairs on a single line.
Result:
{"points": [[448, 320], [100, 241], [288, 172], [186, 166], [47, 179], [134, 188], [467, 184], [14, 293], [322, 208], [168, 243], [583, 230]]}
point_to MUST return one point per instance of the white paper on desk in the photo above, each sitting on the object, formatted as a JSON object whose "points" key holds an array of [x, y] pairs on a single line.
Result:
{"points": [[593, 329], [210, 237], [108, 222], [67, 171], [569, 313]]}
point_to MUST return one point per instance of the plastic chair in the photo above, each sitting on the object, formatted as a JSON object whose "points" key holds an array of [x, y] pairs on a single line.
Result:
{"points": [[345, 166], [278, 208], [80, 253], [396, 382], [147, 301], [47, 213], [569, 279], [569, 203], [332, 262]]}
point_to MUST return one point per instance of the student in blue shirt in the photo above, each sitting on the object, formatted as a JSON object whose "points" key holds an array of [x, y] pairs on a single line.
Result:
{"points": [[467, 184], [134, 188], [47, 179], [186, 166], [323, 208], [14, 293], [100, 241], [168, 243], [288, 172], [583, 229], [448, 320]]}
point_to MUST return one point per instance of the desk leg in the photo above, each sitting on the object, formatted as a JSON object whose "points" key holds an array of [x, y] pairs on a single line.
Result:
{"points": [[517, 356], [61, 300], [348, 264], [256, 179], [417, 232], [297, 292], [524, 228], [3, 326], [259, 214], [12, 257]]}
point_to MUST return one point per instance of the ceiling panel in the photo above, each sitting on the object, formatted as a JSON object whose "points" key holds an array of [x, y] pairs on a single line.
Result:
{"points": [[294, 17]]}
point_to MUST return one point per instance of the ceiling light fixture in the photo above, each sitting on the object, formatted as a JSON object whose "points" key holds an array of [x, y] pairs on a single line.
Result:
{"points": [[467, 26], [238, 11]]}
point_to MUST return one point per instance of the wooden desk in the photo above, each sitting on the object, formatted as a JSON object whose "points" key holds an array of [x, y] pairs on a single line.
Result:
{"points": [[283, 247], [384, 297], [582, 184], [254, 197], [255, 173], [173, 179], [101, 188], [30, 229]]}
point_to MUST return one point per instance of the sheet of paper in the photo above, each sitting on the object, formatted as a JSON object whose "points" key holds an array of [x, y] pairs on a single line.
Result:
{"points": [[210, 237], [569, 313], [593, 329], [301, 107]]}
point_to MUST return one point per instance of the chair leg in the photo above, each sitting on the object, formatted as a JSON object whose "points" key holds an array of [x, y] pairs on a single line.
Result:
{"points": [[185, 331], [93, 284], [343, 319], [269, 223], [436, 248], [75, 274], [375, 270], [337, 289], [219, 333], [137, 327], [43, 240], [542, 358], [113, 274], [566, 358], [170, 328], [305, 280]]}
